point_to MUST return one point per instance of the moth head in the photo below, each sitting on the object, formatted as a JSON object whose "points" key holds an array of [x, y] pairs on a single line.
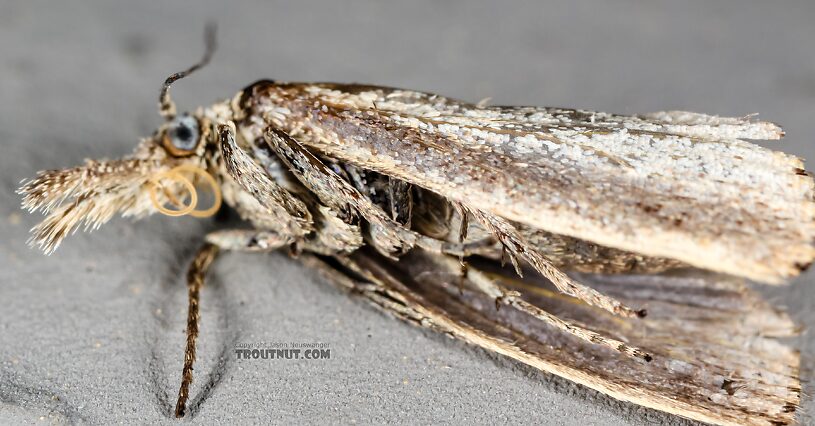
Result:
{"points": [[163, 171], [160, 176]]}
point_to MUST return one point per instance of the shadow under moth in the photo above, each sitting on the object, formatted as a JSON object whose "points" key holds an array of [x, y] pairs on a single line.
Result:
{"points": [[416, 202]]}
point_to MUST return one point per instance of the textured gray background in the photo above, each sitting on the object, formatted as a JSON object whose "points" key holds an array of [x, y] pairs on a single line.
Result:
{"points": [[95, 332]]}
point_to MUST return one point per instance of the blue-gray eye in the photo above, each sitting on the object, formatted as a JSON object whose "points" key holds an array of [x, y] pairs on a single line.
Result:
{"points": [[182, 135]]}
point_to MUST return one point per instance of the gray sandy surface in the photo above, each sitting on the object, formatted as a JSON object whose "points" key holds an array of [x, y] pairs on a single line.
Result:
{"points": [[94, 333]]}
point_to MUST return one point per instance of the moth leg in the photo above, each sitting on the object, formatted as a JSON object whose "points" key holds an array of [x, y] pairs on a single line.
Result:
{"points": [[383, 292], [506, 233], [504, 296], [400, 195], [237, 240], [462, 236], [287, 213], [195, 280], [247, 240], [337, 193]]}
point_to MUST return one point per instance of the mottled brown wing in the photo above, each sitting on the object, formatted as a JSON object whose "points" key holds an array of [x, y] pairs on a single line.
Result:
{"points": [[716, 357], [678, 185]]}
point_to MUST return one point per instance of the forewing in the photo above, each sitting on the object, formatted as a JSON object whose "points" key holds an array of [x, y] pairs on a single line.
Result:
{"points": [[672, 184], [715, 354]]}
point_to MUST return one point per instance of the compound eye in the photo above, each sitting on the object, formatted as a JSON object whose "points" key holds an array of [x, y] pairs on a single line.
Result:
{"points": [[182, 135]]}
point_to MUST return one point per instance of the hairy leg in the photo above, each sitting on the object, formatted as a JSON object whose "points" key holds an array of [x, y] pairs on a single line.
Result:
{"points": [[506, 233], [229, 240], [505, 296], [195, 280]]}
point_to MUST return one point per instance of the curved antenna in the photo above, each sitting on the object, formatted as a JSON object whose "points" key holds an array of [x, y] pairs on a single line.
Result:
{"points": [[166, 106]]}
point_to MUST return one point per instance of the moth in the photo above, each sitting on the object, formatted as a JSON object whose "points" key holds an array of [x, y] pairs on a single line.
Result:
{"points": [[627, 239]]}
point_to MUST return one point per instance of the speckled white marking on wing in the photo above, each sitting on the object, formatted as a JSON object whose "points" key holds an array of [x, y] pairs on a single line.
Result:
{"points": [[670, 184]]}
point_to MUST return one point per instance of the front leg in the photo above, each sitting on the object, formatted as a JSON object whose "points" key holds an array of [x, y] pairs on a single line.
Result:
{"points": [[217, 242], [279, 208], [195, 280], [386, 235]]}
